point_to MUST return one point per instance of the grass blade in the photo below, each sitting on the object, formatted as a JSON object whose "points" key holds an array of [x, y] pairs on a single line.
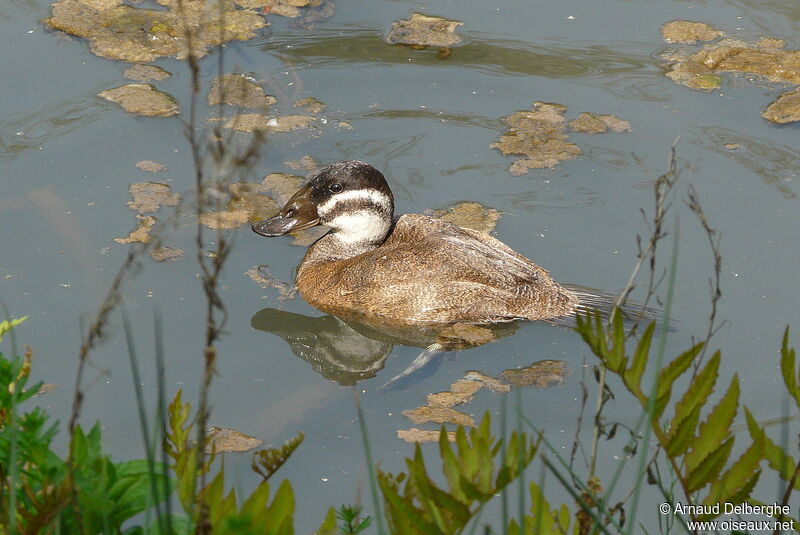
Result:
{"points": [[373, 482]]}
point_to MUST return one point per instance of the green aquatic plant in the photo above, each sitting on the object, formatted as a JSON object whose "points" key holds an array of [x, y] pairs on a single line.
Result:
{"points": [[783, 464], [224, 513], [698, 452], [40, 494], [352, 522], [7, 325], [414, 503]]}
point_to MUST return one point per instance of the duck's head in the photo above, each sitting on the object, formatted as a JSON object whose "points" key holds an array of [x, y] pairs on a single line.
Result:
{"points": [[350, 197]]}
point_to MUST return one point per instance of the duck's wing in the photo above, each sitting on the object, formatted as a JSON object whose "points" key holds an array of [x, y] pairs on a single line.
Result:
{"points": [[468, 254]]}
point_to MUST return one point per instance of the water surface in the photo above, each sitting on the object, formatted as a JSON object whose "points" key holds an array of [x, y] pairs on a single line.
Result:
{"points": [[427, 123]]}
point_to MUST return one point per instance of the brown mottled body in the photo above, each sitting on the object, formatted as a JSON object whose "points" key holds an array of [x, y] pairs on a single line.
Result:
{"points": [[432, 271]]}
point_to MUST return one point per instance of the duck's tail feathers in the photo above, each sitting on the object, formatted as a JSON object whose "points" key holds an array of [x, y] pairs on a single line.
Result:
{"points": [[591, 301]]}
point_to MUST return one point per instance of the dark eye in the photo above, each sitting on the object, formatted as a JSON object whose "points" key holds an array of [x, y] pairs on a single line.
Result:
{"points": [[336, 187]]}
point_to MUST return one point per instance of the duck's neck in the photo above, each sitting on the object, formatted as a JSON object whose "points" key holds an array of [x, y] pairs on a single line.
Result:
{"points": [[359, 220], [366, 234]]}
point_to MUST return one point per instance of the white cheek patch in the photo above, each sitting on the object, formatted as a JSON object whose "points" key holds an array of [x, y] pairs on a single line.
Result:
{"points": [[362, 226], [369, 195]]}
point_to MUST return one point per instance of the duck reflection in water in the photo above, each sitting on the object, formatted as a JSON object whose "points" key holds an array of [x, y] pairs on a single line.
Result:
{"points": [[346, 350]]}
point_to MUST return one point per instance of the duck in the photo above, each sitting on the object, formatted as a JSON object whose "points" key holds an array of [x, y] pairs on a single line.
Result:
{"points": [[413, 269]]}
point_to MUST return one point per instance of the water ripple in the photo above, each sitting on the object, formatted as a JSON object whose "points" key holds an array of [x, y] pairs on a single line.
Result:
{"points": [[623, 70], [29, 130], [776, 165]]}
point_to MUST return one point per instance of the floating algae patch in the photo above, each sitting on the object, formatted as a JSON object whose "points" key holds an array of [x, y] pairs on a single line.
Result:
{"points": [[490, 382], [470, 215], [238, 90], [306, 163], [439, 407], [46, 388], [164, 254], [230, 440], [150, 196], [225, 220], [422, 435], [589, 123], [765, 58], [119, 31], [248, 122], [142, 99], [284, 11], [727, 55], [150, 166], [686, 31], [784, 110], [250, 197], [542, 374], [317, 11], [145, 73], [422, 30], [261, 276], [255, 122], [284, 8], [142, 232], [769, 42], [310, 105], [283, 185], [460, 392], [288, 123], [439, 415], [539, 135], [247, 204]]}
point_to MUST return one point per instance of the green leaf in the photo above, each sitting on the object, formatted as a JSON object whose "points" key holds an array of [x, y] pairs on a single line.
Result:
{"points": [[693, 399], [711, 466], [466, 454], [445, 511], [7, 325], [482, 446], [788, 371], [590, 327], [776, 457], [328, 526], [633, 375], [79, 447], [255, 506], [735, 485], [266, 462], [186, 469], [450, 466], [669, 374], [132, 491], [543, 520], [615, 358], [715, 429], [281, 511], [213, 495], [681, 436], [404, 518]]}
